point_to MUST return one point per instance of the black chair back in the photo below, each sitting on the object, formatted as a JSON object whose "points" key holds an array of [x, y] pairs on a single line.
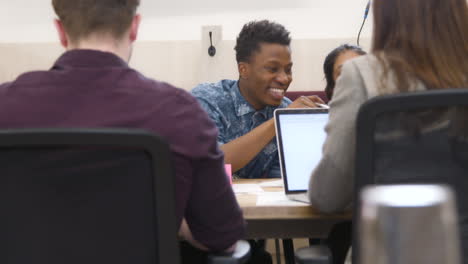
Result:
{"points": [[86, 196], [418, 137]]}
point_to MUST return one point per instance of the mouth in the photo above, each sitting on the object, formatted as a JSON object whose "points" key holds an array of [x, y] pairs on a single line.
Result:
{"points": [[276, 93]]}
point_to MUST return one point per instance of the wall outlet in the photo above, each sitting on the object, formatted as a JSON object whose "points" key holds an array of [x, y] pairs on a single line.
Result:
{"points": [[216, 35]]}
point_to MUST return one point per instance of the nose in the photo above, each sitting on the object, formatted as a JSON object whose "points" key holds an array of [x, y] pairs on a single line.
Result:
{"points": [[283, 78]]}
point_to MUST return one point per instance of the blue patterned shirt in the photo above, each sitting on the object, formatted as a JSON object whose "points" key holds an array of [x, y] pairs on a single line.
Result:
{"points": [[235, 117]]}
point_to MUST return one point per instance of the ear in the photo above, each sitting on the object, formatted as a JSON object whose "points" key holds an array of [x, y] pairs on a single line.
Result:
{"points": [[135, 27], [244, 69], [61, 33]]}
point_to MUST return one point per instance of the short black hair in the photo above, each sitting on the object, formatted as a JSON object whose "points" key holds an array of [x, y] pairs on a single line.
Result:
{"points": [[256, 32], [330, 63]]}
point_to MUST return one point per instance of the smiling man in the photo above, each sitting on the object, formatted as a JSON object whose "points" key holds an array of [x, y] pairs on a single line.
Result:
{"points": [[243, 109]]}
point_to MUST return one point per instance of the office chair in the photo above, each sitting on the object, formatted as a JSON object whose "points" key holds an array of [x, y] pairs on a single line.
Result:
{"points": [[87, 196], [417, 137]]}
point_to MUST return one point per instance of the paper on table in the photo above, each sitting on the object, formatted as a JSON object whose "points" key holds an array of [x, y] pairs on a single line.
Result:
{"points": [[276, 183], [247, 188], [276, 199]]}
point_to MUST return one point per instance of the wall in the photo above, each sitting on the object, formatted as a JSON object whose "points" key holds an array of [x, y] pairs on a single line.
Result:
{"points": [[170, 45]]}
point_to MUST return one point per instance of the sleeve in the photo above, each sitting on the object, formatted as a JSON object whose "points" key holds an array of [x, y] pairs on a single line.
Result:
{"points": [[215, 115], [212, 211], [286, 102], [331, 183]]}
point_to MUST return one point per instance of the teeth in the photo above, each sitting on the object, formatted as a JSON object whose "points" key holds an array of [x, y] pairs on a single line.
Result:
{"points": [[275, 90]]}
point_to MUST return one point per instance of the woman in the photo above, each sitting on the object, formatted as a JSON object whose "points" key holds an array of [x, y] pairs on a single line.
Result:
{"points": [[339, 238], [334, 62], [417, 45]]}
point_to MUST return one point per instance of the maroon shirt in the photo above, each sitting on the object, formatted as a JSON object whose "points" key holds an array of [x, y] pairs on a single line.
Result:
{"points": [[87, 88]]}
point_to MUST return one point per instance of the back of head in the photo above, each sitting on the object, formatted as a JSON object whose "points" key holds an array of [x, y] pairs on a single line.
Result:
{"points": [[256, 32], [82, 18], [425, 40]]}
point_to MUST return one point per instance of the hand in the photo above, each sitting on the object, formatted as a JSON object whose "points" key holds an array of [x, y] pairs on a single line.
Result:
{"points": [[306, 102]]}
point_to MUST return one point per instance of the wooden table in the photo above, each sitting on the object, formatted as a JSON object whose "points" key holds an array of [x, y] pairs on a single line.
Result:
{"points": [[283, 221]]}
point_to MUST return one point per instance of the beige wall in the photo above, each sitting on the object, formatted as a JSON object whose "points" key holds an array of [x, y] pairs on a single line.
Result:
{"points": [[183, 19], [171, 46], [182, 63]]}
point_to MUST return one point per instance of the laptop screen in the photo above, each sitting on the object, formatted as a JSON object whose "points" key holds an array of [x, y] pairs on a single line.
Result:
{"points": [[300, 135]]}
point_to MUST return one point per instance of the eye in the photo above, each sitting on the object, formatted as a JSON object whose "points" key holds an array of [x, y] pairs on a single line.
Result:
{"points": [[288, 70], [271, 69]]}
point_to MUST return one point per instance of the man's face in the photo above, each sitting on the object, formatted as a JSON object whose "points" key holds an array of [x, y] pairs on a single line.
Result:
{"points": [[266, 77]]}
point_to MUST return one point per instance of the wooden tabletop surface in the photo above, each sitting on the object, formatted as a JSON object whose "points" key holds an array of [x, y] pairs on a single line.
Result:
{"points": [[248, 203]]}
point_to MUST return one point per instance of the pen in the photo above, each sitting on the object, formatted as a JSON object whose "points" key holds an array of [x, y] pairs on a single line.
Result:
{"points": [[323, 106]]}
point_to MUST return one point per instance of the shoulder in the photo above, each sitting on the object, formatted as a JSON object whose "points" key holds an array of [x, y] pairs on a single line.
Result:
{"points": [[4, 86], [163, 101], [27, 80], [161, 90], [204, 88], [221, 85], [180, 112], [213, 91], [365, 66], [365, 62], [215, 97], [366, 71]]}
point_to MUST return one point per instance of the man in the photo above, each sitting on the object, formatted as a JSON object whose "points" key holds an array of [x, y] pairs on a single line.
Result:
{"points": [[243, 109], [91, 85]]}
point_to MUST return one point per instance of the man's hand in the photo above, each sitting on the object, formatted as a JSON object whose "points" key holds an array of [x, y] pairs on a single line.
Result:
{"points": [[306, 102], [242, 150]]}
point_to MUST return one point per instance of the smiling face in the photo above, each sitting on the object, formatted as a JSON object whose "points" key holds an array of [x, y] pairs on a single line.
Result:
{"points": [[266, 77]]}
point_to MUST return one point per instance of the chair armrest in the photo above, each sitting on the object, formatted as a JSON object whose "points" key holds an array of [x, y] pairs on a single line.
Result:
{"points": [[314, 255], [240, 256]]}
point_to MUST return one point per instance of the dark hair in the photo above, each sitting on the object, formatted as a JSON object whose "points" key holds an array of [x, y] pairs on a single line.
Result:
{"points": [[256, 32], [81, 18], [425, 40], [329, 64]]}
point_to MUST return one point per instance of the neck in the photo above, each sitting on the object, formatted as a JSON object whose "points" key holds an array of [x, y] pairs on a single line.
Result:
{"points": [[243, 88], [111, 45]]}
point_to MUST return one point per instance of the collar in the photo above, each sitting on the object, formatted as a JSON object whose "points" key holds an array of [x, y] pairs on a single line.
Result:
{"points": [[242, 107], [83, 58]]}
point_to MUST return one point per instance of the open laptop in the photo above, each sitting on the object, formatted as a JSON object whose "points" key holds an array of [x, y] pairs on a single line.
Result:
{"points": [[300, 134]]}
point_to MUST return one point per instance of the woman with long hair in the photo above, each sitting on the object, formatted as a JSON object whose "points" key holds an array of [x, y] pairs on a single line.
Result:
{"points": [[334, 62], [417, 45]]}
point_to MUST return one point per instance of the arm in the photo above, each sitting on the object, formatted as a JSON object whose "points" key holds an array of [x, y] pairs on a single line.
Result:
{"points": [[213, 216], [205, 199], [242, 150], [186, 234], [331, 184]]}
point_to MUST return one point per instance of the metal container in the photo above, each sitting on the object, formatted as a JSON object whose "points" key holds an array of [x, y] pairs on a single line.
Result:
{"points": [[408, 224]]}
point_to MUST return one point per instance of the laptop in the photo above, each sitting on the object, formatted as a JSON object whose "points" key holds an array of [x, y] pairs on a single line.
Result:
{"points": [[300, 134]]}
